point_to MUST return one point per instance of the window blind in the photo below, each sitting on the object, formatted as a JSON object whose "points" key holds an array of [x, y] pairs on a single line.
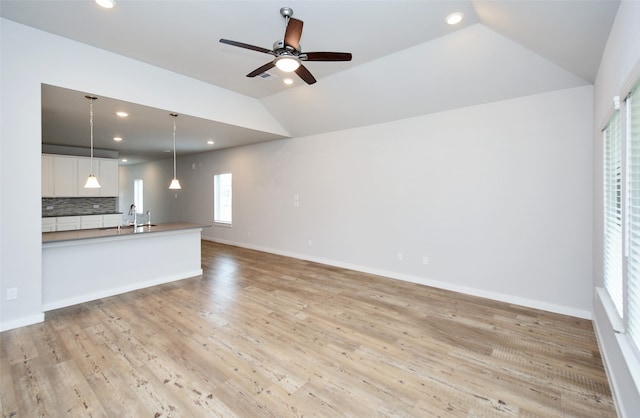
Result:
{"points": [[633, 216], [613, 212]]}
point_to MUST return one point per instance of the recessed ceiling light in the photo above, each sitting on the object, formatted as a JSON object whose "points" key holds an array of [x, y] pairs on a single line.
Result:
{"points": [[210, 142], [124, 160], [288, 81], [117, 138], [107, 4], [122, 114], [454, 18]]}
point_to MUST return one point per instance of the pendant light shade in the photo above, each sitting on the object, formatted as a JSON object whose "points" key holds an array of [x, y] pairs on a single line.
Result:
{"points": [[175, 183], [92, 180]]}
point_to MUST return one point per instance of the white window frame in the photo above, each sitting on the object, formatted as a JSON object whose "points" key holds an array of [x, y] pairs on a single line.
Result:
{"points": [[222, 205], [631, 276], [621, 293], [613, 207], [138, 195]]}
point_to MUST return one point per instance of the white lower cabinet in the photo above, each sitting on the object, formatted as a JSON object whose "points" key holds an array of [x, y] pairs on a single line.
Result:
{"points": [[48, 224], [67, 223], [70, 223], [91, 221]]}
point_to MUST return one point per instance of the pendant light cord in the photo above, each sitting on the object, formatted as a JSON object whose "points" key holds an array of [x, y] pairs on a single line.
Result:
{"points": [[91, 127], [174, 144]]}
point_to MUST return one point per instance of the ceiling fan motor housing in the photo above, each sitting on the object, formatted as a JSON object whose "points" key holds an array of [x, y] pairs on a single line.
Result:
{"points": [[280, 46]]}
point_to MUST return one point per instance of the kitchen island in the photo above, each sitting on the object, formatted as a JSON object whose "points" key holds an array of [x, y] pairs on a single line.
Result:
{"points": [[83, 265]]}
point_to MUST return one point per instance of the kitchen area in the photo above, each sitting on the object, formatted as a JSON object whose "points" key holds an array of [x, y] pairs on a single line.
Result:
{"points": [[90, 250], [134, 230], [95, 242]]}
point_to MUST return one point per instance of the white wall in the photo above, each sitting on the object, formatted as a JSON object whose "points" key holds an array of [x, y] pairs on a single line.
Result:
{"points": [[619, 69], [497, 196], [158, 199], [30, 57]]}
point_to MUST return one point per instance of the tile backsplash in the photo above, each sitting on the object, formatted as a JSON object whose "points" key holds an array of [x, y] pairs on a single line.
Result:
{"points": [[71, 206]]}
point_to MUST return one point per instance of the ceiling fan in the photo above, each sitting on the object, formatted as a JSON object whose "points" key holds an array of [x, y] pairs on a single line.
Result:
{"points": [[287, 52]]}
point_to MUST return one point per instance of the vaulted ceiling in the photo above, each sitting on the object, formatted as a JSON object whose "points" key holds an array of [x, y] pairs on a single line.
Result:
{"points": [[406, 60]]}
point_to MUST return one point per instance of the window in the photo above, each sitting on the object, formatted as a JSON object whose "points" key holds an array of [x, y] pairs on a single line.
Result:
{"points": [[137, 195], [222, 198], [622, 215], [613, 211], [633, 215]]}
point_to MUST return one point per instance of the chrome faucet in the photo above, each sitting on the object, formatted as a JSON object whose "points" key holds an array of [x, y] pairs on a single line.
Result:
{"points": [[134, 212], [149, 218]]}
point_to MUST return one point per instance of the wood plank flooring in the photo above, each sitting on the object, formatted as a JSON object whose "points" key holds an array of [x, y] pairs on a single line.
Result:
{"points": [[260, 335]]}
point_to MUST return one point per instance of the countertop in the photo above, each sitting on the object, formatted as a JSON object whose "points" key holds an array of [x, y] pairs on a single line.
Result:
{"points": [[81, 234]]}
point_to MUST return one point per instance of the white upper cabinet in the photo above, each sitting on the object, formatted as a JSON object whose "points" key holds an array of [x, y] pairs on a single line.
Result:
{"points": [[64, 176], [47, 175], [108, 177]]}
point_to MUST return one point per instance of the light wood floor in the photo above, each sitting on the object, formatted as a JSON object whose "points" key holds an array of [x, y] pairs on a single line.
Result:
{"points": [[260, 335]]}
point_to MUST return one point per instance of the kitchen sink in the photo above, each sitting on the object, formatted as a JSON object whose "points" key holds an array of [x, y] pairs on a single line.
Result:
{"points": [[113, 228]]}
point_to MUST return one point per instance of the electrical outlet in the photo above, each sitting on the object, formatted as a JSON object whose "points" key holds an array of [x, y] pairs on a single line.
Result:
{"points": [[399, 256], [310, 243], [12, 293]]}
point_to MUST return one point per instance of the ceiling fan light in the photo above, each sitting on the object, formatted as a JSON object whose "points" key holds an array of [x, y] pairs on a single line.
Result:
{"points": [[287, 63]]}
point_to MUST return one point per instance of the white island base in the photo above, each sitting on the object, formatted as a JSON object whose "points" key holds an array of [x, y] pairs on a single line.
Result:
{"points": [[79, 270]]}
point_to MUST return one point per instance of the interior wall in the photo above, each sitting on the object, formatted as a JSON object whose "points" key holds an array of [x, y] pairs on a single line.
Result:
{"points": [[619, 69], [417, 187], [157, 197], [497, 197], [28, 58]]}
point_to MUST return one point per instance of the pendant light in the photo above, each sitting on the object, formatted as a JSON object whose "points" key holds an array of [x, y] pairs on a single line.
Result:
{"points": [[175, 183], [92, 180]]}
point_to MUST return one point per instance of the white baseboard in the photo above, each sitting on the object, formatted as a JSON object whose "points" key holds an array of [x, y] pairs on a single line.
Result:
{"points": [[22, 322], [502, 297]]}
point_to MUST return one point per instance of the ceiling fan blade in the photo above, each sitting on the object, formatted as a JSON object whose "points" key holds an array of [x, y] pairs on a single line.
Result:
{"points": [[293, 33], [247, 46], [305, 75], [262, 69], [326, 56]]}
